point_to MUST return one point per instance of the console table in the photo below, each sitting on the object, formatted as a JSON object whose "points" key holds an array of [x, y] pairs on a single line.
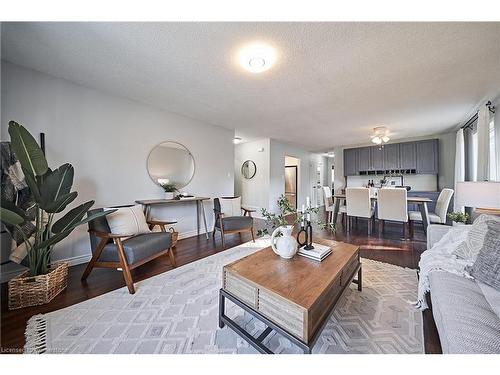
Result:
{"points": [[199, 208]]}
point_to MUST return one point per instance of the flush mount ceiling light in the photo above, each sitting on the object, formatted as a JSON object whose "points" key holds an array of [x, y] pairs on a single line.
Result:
{"points": [[237, 140], [257, 57], [379, 136]]}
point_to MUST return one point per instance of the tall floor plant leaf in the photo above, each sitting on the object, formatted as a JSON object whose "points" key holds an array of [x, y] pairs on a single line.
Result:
{"points": [[52, 194]]}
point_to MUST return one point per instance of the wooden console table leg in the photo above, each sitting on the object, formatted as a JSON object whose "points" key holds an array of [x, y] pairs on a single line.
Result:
{"points": [[204, 218], [198, 218]]}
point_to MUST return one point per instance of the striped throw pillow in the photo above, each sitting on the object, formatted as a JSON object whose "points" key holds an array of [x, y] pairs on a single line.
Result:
{"points": [[469, 249]]}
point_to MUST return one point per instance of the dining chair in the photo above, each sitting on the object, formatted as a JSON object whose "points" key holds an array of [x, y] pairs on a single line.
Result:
{"points": [[228, 217], [330, 206], [359, 205], [440, 211], [392, 206]]}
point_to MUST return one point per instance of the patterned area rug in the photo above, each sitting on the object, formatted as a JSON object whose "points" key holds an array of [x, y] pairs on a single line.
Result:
{"points": [[177, 312]]}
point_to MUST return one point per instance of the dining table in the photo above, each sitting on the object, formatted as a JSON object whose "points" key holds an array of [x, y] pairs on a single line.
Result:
{"points": [[420, 201]]}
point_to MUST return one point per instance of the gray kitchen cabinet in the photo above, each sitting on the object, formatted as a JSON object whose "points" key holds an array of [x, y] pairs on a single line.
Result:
{"points": [[351, 162], [408, 158], [391, 156], [427, 156], [377, 158], [364, 160]]}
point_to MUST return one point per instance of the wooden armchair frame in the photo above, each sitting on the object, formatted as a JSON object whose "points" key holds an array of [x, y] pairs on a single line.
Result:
{"points": [[122, 263], [220, 216]]}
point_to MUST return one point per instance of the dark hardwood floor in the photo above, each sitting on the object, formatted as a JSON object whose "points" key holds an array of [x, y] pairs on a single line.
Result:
{"points": [[388, 246]]}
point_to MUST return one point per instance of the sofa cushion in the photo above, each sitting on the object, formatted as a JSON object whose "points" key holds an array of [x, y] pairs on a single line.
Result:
{"points": [[237, 222], [487, 266], [138, 247], [465, 320], [474, 242]]}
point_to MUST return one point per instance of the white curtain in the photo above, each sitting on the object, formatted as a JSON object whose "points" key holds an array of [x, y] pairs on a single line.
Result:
{"points": [[483, 144], [459, 162]]}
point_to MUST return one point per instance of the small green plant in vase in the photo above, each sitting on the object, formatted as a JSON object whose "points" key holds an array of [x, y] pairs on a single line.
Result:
{"points": [[282, 223], [459, 217], [169, 190]]}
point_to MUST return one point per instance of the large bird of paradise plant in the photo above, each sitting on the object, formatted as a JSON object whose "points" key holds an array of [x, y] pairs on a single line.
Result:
{"points": [[52, 193]]}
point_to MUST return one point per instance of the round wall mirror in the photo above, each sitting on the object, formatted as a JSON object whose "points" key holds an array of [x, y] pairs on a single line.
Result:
{"points": [[248, 169], [171, 163]]}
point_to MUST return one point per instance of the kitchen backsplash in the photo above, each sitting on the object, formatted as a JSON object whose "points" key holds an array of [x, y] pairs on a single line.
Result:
{"points": [[421, 182]]}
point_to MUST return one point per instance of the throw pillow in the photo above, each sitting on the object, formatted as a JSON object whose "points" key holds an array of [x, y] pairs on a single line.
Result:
{"points": [[230, 206], [469, 249], [451, 239], [128, 221], [487, 266]]}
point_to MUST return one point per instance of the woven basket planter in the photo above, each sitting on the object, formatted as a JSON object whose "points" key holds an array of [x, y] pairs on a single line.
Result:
{"points": [[27, 291]]}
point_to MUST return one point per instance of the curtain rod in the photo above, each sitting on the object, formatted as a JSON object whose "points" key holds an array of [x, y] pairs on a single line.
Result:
{"points": [[469, 122]]}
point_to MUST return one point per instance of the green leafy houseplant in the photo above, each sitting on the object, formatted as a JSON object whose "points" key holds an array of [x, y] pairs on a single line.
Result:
{"points": [[274, 221], [52, 193], [459, 217], [168, 188]]}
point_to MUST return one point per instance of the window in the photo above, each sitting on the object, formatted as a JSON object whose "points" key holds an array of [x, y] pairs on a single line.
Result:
{"points": [[493, 159], [492, 156], [474, 156]]}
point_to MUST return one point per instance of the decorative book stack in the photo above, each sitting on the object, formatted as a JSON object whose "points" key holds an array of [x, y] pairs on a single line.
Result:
{"points": [[318, 253]]}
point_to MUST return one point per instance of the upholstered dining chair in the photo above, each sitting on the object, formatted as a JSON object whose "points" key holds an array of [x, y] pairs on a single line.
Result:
{"points": [[392, 206], [229, 219], [330, 206], [359, 204], [440, 211], [125, 252]]}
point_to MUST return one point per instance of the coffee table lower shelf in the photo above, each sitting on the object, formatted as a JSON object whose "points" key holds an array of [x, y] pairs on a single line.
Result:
{"points": [[258, 342]]}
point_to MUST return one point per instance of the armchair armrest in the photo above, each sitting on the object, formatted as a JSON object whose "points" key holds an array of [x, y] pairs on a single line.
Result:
{"points": [[109, 235], [162, 224], [247, 211]]}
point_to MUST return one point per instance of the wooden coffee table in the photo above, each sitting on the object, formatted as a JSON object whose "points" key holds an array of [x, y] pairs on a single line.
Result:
{"points": [[294, 297]]}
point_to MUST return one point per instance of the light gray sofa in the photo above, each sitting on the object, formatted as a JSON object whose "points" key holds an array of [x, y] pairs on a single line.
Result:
{"points": [[466, 312]]}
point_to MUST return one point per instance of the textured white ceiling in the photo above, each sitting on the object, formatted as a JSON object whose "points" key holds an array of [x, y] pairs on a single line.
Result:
{"points": [[333, 82]]}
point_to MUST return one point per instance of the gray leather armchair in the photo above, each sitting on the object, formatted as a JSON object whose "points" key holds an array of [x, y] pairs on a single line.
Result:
{"points": [[110, 250], [232, 224]]}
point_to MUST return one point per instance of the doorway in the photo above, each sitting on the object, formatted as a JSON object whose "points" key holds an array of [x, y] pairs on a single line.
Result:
{"points": [[291, 180]]}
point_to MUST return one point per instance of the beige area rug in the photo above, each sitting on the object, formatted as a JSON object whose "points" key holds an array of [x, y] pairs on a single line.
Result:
{"points": [[177, 312]]}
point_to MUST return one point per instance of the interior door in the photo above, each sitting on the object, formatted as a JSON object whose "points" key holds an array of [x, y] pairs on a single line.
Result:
{"points": [[291, 184]]}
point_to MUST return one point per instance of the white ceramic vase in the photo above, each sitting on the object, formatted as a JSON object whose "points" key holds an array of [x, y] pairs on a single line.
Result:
{"points": [[285, 246], [169, 195]]}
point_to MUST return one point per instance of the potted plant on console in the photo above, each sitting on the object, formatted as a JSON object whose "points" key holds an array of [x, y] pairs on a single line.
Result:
{"points": [[51, 191], [169, 189]]}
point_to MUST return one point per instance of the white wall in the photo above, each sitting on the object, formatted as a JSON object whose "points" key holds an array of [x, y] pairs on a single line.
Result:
{"points": [[446, 177], [269, 183], [254, 191], [107, 139], [307, 162], [497, 136]]}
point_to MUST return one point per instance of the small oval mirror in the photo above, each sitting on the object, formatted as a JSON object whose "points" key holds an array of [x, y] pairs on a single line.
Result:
{"points": [[248, 169], [171, 163]]}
